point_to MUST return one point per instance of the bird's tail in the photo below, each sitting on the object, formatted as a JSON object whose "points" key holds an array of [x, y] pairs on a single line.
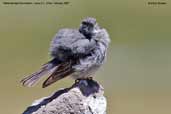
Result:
{"points": [[32, 79]]}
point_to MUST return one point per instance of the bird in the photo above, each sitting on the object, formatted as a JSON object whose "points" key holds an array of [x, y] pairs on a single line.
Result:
{"points": [[78, 53]]}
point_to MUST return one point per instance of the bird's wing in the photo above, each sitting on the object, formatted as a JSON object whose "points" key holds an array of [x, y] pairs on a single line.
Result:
{"points": [[32, 79], [70, 42], [83, 46], [63, 70]]}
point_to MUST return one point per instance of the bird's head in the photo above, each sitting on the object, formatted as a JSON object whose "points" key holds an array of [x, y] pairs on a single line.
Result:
{"points": [[88, 27]]}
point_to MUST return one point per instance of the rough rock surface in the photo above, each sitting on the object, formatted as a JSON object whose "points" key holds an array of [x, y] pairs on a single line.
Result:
{"points": [[84, 97]]}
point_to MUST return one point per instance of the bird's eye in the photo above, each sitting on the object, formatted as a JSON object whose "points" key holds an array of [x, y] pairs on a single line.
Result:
{"points": [[84, 23]]}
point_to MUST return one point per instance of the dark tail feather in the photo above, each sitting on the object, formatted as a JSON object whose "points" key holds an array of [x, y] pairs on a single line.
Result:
{"points": [[61, 72], [32, 79]]}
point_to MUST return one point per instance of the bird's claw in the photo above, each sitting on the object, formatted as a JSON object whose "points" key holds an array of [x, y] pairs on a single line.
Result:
{"points": [[90, 78], [79, 79]]}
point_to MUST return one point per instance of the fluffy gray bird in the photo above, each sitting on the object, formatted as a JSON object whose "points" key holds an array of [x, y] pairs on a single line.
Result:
{"points": [[76, 52]]}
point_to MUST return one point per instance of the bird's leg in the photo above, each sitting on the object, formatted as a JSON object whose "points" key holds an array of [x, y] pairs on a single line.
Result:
{"points": [[78, 80], [89, 78]]}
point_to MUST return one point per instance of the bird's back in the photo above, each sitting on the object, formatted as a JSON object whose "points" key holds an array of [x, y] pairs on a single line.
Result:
{"points": [[67, 36], [70, 42]]}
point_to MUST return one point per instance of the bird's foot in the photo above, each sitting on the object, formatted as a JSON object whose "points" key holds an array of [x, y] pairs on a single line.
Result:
{"points": [[77, 80], [87, 78]]}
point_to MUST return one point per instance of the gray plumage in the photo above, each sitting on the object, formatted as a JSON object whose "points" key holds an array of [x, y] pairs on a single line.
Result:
{"points": [[76, 52], [70, 42]]}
